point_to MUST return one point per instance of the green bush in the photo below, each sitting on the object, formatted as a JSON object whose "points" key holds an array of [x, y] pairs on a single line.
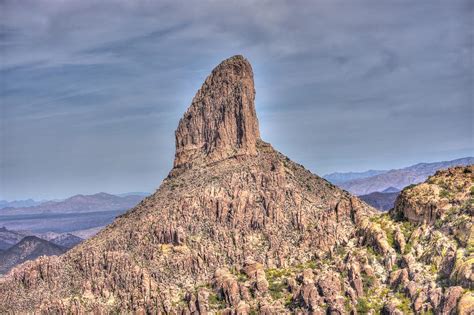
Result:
{"points": [[444, 193], [276, 289], [363, 306], [216, 302]]}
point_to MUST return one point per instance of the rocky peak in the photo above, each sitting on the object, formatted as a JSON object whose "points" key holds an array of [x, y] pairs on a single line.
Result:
{"points": [[221, 121]]}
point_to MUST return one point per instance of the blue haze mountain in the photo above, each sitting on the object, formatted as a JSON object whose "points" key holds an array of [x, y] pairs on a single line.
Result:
{"points": [[399, 178]]}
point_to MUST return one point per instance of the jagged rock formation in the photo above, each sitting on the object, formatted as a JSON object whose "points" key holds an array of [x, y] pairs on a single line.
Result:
{"points": [[237, 228]]}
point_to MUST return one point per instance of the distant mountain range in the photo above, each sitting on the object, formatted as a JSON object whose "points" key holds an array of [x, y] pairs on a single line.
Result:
{"points": [[134, 193], [19, 203], [397, 178], [337, 178], [65, 222], [17, 247], [9, 238], [79, 203], [67, 240]]}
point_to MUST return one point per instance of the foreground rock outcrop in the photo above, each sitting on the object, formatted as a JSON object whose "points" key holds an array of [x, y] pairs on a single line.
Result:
{"points": [[238, 228]]}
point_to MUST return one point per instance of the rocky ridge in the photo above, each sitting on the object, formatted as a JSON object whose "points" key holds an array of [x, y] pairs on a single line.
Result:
{"points": [[238, 228]]}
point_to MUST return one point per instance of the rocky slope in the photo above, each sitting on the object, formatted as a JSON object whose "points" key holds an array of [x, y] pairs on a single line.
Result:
{"points": [[238, 228], [29, 248]]}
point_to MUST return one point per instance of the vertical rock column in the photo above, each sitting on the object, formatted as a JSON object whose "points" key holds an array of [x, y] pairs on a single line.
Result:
{"points": [[221, 121]]}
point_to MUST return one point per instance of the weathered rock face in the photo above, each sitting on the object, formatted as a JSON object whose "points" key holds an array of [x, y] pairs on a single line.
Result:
{"points": [[429, 201], [238, 228], [221, 121]]}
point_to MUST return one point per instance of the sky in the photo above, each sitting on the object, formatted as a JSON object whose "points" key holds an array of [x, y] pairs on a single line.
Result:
{"points": [[92, 91]]}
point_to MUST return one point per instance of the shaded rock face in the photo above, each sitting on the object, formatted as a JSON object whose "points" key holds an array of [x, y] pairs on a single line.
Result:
{"points": [[221, 121]]}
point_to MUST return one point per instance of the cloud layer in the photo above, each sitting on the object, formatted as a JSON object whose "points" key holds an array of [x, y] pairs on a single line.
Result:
{"points": [[91, 92]]}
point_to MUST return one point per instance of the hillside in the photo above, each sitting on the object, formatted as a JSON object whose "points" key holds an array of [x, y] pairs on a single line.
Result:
{"points": [[29, 248], [400, 178], [238, 228], [9, 238], [66, 240], [382, 201], [19, 252]]}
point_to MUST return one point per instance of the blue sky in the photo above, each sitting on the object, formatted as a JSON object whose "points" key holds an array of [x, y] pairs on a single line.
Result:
{"points": [[91, 91]]}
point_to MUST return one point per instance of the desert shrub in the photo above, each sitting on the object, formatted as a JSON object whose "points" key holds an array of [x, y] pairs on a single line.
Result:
{"points": [[444, 193], [363, 306]]}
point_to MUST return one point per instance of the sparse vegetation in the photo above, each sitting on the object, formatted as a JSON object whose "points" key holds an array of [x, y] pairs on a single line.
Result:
{"points": [[363, 306], [405, 303], [276, 289], [444, 193], [216, 302]]}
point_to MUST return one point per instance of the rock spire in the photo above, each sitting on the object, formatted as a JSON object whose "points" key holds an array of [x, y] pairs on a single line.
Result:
{"points": [[221, 121]]}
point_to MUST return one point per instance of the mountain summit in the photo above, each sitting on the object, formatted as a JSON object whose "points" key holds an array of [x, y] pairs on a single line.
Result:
{"points": [[221, 121], [236, 228], [230, 201]]}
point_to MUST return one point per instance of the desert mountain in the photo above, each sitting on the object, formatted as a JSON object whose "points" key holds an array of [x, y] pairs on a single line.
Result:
{"points": [[9, 238], [20, 246], [238, 228], [399, 178], [66, 240], [382, 201], [29, 248]]}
